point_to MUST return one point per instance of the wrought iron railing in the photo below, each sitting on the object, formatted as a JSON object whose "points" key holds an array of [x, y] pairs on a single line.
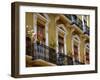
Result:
{"points": [[75, 20], [43, 52], [87, 30]]}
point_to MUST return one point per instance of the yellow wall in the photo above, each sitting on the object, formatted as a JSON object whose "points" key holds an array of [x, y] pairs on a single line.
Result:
{"points": [[29, 19], [29, 23], [52, 31]]}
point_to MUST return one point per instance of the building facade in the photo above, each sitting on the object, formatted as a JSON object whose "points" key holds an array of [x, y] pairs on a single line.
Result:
{"points": [[57, 39]]}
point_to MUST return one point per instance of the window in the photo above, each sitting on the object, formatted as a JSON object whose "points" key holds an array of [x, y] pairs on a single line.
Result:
{"points": [[75, 48], [75, 52], [61, 39], [41, 33], [40, 28], [74, 18], [87, 58], [61, 44]]}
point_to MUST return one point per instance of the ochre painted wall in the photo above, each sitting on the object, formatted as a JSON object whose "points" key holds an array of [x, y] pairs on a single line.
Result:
{"points": [[52, 31], [29, 23], [29, 19]]}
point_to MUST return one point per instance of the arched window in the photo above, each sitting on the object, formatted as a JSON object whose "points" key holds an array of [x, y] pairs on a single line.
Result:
{"points": [[76, 49]]}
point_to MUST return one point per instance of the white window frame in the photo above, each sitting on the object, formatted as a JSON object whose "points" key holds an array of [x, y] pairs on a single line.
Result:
{"points": [[65, 35], [35, 16]]}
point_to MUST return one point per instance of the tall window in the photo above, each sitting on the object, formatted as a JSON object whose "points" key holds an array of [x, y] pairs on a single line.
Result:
{"points": [[40, 28], [76, 43], [44, 20], [61, 39], [41, 33], [75, 52], [41, 21], [61, 44], [87, 58]]}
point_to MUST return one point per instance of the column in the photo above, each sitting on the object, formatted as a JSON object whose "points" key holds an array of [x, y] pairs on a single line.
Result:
{"points": [[82, 48], [70, 30]]}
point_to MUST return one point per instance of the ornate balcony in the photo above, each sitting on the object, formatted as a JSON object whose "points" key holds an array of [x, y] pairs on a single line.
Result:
{"points": [[43, 52], [78, 22]]}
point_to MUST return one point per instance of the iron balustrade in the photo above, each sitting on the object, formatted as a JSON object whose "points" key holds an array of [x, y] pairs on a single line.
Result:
{"points": [[43, 52], [87, 30], [75, 20], [40, 51], [76, 62]]}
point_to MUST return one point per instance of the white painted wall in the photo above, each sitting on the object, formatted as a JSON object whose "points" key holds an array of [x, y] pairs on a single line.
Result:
{"points": [[5, 40]]}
